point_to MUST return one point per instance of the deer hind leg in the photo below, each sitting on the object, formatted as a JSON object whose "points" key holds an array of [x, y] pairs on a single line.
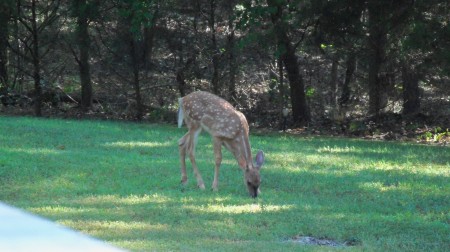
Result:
{"points": [[182, 146], [218, 160], [187, 144], [190, 148]]}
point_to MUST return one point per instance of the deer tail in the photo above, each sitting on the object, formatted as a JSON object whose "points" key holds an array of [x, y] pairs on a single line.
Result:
{"points": [[180, 112]]}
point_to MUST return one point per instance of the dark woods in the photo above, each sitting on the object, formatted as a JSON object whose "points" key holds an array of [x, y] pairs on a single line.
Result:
{"points": [[338, 64]]}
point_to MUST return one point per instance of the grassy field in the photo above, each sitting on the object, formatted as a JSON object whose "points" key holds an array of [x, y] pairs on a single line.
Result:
{"points": [[120, 182]]}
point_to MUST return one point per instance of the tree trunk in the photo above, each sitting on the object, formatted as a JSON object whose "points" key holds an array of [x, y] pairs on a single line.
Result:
{"points": [[5, 13], [333, 82], [231, 54], [300, 110], [17, 81], [215, 53], [282, 89], [376, 46], [136, 82], [350, 69], [232, 67], [36, 62], [411, 92], [83, 63], [181, 82], [149, 35]]}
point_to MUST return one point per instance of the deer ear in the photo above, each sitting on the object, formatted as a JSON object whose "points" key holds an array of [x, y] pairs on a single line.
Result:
{"points": [[259, 159]]}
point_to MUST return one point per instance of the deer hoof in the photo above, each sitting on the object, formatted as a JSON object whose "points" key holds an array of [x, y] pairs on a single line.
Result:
{"points": [[215, 186]]}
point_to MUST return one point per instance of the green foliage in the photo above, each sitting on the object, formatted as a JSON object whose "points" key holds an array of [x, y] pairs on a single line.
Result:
{"points": [[357, 127], [141, 13], [120, 182], [248, 15], [250, 18], [310, 92], [163, 114], [426, 37], [6, 7], [325, 46], [437, 135], [87, 8]]}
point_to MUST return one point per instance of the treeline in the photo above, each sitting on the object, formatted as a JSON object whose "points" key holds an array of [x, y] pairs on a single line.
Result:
{"points": [[320, 59]]}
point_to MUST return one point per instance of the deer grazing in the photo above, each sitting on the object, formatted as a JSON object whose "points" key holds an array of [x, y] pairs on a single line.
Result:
{"points": [[227, 126]]}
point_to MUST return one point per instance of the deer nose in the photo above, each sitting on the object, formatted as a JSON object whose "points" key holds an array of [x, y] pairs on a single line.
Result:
{"points": [[254, 193]]}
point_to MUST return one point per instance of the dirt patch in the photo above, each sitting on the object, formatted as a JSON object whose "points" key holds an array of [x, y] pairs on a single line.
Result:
{"points": [[310, 240]]}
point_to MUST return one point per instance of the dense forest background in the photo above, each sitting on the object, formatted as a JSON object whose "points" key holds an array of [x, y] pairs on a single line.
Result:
{"points": [[360, 67]]}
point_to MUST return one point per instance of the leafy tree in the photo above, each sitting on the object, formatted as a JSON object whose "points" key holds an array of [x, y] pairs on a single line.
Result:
{"points": [[287, 49], [339, 29], [35, 17], [424, 49], [287, 38], [137, 17]]}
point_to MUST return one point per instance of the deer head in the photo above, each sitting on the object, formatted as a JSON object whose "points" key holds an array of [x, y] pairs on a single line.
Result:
{"points": [[252, 177]]}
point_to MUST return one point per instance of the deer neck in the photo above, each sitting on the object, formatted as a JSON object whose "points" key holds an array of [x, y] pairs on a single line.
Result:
{"points": [[242, 151]]}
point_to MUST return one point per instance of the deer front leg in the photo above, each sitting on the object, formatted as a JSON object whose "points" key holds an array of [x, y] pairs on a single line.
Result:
{"points": [[218, 161]]}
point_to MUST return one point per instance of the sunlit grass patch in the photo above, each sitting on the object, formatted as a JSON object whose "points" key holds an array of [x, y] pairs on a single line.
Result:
{"points": [[124, 200], [35, 151], [238, 209], [336, 149], [135, 144], [115, 228], [63, 210]]}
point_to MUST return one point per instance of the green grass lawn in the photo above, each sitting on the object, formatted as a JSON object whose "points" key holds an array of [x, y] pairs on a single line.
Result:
{"points": [[120, 182]]}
